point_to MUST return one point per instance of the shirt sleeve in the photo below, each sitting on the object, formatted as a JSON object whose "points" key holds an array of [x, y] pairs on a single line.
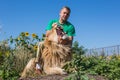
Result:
{"points": [[49, 26], [71, 31]]}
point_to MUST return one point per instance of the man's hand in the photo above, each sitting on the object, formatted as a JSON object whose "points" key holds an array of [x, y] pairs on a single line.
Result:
{"points": [[63, 41]]}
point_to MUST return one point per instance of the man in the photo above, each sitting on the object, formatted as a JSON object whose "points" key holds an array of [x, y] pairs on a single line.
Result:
{"points": [[67, 27]]}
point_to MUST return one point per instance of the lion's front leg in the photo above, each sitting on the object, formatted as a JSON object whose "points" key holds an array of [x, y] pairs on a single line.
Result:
{"points": [[39, 51], [29, 68]]}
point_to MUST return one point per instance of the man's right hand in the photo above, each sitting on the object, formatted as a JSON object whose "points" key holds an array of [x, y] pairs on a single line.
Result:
{"points": [[62, 41]]}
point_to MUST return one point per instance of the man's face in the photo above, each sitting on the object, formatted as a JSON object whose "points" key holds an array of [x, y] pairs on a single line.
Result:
{"points": [[64, 14]]}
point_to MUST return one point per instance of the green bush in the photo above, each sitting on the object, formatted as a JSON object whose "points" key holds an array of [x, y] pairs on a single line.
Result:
{"points": [[14, 58]]}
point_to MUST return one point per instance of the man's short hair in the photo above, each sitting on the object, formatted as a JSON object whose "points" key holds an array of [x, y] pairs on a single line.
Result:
{"points": [[66, 8]]}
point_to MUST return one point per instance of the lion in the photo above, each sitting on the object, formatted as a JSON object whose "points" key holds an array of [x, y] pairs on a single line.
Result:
{"points": [[52, 56]]}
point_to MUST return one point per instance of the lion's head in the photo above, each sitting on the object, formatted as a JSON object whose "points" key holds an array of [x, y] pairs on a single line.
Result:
{"points": [[56, 33]]}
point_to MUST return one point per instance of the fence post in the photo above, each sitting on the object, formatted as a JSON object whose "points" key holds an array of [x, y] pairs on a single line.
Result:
{"points": [[118, 49]]}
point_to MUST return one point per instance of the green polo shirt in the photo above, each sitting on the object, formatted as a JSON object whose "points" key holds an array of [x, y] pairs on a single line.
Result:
{"points": [[68, 28]]}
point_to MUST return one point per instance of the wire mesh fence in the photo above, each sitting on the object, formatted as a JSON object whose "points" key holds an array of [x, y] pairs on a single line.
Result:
{"points": [[104, 51]]}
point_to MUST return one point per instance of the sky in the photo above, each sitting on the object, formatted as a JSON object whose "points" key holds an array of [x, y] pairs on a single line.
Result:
{"points": [[97, 22]]}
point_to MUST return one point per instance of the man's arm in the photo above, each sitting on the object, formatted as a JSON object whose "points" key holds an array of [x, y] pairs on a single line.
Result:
{"points": [[70, 38]]}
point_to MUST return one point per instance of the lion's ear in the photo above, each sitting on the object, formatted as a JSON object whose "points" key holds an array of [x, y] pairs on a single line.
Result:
{"points": [[47, 43], [54, 25]]}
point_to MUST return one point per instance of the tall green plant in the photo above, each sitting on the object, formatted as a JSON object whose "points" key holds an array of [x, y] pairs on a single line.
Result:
{"points": [[23, 48], [75, 65]]}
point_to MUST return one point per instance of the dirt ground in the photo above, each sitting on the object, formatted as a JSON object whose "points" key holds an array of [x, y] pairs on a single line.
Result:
{"points": [[62, 77]]}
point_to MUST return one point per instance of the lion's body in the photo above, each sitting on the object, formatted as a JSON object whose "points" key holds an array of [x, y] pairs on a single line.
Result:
{"points": [[52, 58], [55, 57]]}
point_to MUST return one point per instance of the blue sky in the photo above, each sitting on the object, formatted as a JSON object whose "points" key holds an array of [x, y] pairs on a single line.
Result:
{"points": [[97, 22]]}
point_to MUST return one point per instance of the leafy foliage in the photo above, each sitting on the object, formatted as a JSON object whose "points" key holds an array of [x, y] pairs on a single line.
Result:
{"points": [[16, 52], [82, 64]]}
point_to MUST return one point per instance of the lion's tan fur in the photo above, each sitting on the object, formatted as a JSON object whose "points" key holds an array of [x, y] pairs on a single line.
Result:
{"points": [[29, 69], [53, 57]]}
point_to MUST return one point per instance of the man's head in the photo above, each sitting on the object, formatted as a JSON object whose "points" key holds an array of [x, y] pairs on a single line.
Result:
{"points": [[64, 14]]}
